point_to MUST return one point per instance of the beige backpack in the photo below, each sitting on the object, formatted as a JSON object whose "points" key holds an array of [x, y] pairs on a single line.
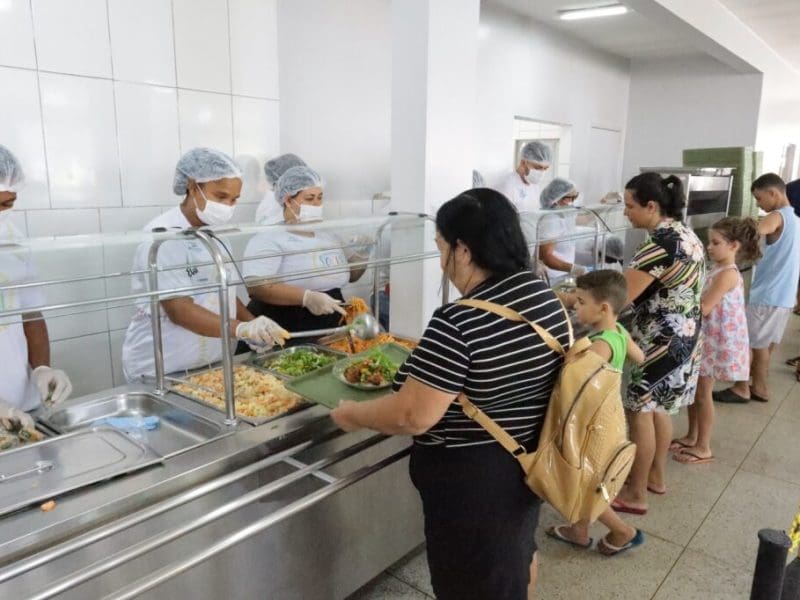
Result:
{"points": [[584, 455]]}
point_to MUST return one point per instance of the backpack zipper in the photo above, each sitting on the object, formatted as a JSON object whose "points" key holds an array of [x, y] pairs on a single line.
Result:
{"points": [[602, 487], [575, 401]]}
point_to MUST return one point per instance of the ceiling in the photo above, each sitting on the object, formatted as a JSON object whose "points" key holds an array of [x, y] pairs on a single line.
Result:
{"points": [[777, 22], [634, 36]]}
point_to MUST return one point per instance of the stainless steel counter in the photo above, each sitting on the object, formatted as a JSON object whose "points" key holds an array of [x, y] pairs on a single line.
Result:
{"points": [[291, 509]]}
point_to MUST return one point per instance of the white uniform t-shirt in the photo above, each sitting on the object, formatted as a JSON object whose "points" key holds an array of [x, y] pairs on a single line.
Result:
{"points": [[16, 386], [308, 253], [269, 212], [524, 196], [183, 349], [557, 226]]}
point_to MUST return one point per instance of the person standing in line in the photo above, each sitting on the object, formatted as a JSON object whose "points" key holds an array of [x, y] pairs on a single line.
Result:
{"points": [[521, 186]]}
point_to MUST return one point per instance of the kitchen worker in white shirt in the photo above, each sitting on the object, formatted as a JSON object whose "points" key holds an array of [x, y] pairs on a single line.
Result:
{"points": [[558, 256], [27, 380], [270, 212], [209, 182], [521, 186], [313, 302]]}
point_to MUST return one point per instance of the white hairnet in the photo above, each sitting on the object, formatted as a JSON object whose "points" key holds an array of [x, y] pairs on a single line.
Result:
{"points": [[11, 175], [477, 179], [537, 152], [202, 165], [275, 167], [555, 191], [296, 180], [615, 248]]}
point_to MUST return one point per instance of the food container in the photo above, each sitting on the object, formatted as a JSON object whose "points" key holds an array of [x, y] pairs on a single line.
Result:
{"points": [[382, 339], [263, 361]]}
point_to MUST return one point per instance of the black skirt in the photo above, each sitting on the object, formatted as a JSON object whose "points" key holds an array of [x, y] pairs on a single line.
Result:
{"points": [[480, 521], [297, 318]]}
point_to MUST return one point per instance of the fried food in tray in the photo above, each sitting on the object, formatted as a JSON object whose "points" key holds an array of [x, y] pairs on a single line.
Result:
{"points": [[13, 434], [354, 307], [258, 395], [362, 345]]}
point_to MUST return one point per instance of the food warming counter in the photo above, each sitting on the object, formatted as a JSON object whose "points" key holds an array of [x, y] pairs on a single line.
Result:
{"points": [[204, 506]]}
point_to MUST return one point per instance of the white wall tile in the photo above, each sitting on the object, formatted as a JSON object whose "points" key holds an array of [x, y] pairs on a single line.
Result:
{"points": [[142, 46], [201, 45], [16, 42], [117, 338], [120, 220], [21, 127], [46, 223], [87, 361], [205, 120], [256, 138], [81, 141], [147, 123], [254, 47], [72, 37]]}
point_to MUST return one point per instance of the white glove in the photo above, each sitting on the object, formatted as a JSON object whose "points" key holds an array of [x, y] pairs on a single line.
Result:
{"points": [[261, 333], [9, 412], [53, 384], [578, 270], [319, 303]]}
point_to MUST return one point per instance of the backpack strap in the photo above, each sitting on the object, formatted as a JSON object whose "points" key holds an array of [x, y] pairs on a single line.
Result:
{"points": [[512, 315], [485, 421]]}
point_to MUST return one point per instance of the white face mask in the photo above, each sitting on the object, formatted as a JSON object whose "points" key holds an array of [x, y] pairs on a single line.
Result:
{"points": [[534, 176], [215, 213], [308, 212]]}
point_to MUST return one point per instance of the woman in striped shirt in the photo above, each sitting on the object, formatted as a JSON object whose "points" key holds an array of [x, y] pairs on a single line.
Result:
{"points": [[480, 517]]}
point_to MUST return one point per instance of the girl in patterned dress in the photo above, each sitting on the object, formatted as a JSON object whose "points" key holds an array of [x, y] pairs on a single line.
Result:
{"points": [[725, 354]]}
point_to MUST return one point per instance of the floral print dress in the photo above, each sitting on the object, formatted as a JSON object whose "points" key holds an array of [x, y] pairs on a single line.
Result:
{"points": [[666, 321], [726, 350]]}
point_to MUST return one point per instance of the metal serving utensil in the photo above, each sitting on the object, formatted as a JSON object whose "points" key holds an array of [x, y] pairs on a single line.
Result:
{"points": [[364, 326]]}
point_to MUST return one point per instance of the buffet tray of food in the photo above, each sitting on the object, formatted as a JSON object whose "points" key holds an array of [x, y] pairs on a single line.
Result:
{"points": [[381, 339], [260, 396], [296, 361], [364, 376]]}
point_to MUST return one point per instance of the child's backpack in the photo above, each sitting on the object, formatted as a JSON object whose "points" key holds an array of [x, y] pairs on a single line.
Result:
{"points": [[584, 455]]}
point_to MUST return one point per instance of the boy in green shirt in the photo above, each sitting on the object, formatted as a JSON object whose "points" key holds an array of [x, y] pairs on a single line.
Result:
{"points": [[598, 299]]}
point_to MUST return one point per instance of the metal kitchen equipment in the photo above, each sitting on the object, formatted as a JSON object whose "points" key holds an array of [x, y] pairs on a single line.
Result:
{"points": [[708, 192], [364, 326]]}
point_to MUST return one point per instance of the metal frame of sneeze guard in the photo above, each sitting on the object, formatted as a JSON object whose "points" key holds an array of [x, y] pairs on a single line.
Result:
{"points": [[225, 334]]}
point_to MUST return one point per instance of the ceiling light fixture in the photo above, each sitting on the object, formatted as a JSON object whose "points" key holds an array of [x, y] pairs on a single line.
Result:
{"points": [[607, 10]]}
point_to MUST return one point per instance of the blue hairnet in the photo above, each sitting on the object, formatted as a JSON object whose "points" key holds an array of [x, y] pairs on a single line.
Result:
{"points": [[537, 152], [202, 165], [11, 175], [615, 248], [477, 179], [296, 180], [275, 167], [555, 191]]}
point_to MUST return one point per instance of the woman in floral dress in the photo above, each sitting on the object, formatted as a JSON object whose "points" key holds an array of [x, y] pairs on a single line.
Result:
{"points": [[665, 279]]}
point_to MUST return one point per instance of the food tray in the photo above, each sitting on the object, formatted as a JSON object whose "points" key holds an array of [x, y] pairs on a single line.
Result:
{"points": [[400, 338], [175, 382], [322, 387], [262, 361]]}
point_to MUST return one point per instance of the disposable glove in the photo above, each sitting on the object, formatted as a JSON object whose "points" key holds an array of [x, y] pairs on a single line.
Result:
{"points": [[319, 303], [261, 333], [9, 412], [53, 384]]}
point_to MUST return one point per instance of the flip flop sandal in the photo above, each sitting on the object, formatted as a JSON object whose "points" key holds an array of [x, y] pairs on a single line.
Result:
{"points": [[793, 362], [607, 549], [622, 507], [658, 492], [757, 398], [692, 458], [676, 446], [726, 396], [555, 533]]}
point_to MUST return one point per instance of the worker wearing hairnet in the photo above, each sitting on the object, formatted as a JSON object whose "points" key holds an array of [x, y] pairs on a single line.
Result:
{"points": [[209, 183], [27, 380], [270, 212], [555, 252], [521, 186], [477, 179], [313, 301]]}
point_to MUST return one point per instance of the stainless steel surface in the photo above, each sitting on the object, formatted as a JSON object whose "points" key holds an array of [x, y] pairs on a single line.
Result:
{"points": [[154, 580], [364, 326], [155, 316], [178, 428], [48, 469], [263, 361]]}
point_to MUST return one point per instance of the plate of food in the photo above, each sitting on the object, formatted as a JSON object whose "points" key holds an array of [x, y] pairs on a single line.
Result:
{"points": [[371, 371], [298, 360]]}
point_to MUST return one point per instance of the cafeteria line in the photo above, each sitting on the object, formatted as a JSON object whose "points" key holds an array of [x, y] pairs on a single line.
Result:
{"points": [[197, 399]]}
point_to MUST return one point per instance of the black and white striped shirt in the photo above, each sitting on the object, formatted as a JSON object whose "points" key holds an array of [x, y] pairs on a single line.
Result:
{"points": [[503, 366]]}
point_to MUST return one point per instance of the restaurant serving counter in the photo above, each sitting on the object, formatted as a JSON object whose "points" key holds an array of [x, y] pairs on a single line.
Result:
{"points": [[205, 505]]}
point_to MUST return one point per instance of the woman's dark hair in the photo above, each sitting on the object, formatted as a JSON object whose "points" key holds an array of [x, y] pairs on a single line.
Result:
{"points": [[488, 224], [744, 231], [667, 192]]}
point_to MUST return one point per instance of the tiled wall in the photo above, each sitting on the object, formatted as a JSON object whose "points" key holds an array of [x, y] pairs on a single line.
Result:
{"points": [[100, 98]]}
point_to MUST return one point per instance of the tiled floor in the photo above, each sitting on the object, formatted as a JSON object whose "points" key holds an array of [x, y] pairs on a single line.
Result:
{"points": [[701, 537]]}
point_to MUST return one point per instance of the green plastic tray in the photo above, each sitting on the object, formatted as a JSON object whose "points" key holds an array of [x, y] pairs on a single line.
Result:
{"points": [[322, 387]]}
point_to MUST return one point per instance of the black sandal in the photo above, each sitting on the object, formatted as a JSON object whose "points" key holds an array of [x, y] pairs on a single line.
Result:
{"points": [[793, 362]]}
